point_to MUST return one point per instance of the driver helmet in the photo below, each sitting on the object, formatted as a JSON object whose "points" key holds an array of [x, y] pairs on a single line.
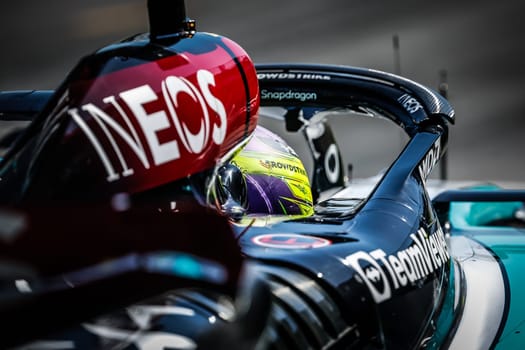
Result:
{"points": [[265, 177]]}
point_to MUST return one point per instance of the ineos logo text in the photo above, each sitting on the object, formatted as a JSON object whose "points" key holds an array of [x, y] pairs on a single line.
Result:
{"points": [[410, 104], [151, 124]]}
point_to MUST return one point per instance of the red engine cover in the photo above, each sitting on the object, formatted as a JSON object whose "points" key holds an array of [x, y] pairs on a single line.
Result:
{"points": [[162, 120]]}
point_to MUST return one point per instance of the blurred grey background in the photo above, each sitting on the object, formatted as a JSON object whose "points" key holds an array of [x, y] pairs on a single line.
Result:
{"points": [[481, 45]]}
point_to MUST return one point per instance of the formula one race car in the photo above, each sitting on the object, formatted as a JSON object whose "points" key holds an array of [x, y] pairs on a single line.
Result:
{"points": [[170, 194]]}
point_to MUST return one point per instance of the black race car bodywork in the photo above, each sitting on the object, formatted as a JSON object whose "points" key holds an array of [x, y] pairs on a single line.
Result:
{"points": [[94, 259]]}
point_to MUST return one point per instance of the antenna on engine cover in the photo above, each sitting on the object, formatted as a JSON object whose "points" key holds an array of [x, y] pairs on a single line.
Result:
{"points": [[167, 19]]}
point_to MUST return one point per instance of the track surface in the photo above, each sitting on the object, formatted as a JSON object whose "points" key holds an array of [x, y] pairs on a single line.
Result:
{"points": [[479, 43]]}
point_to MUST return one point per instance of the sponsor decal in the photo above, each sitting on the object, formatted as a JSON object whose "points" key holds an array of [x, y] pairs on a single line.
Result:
{"points": [[141, 120], [271, 164], [290, 241], [305, 76], [383, 273], [430, 160], [409, 103], [288, 95]]}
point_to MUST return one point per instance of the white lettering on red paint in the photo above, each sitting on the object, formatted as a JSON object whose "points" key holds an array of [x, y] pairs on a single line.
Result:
{"points": [[151, 123]]}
